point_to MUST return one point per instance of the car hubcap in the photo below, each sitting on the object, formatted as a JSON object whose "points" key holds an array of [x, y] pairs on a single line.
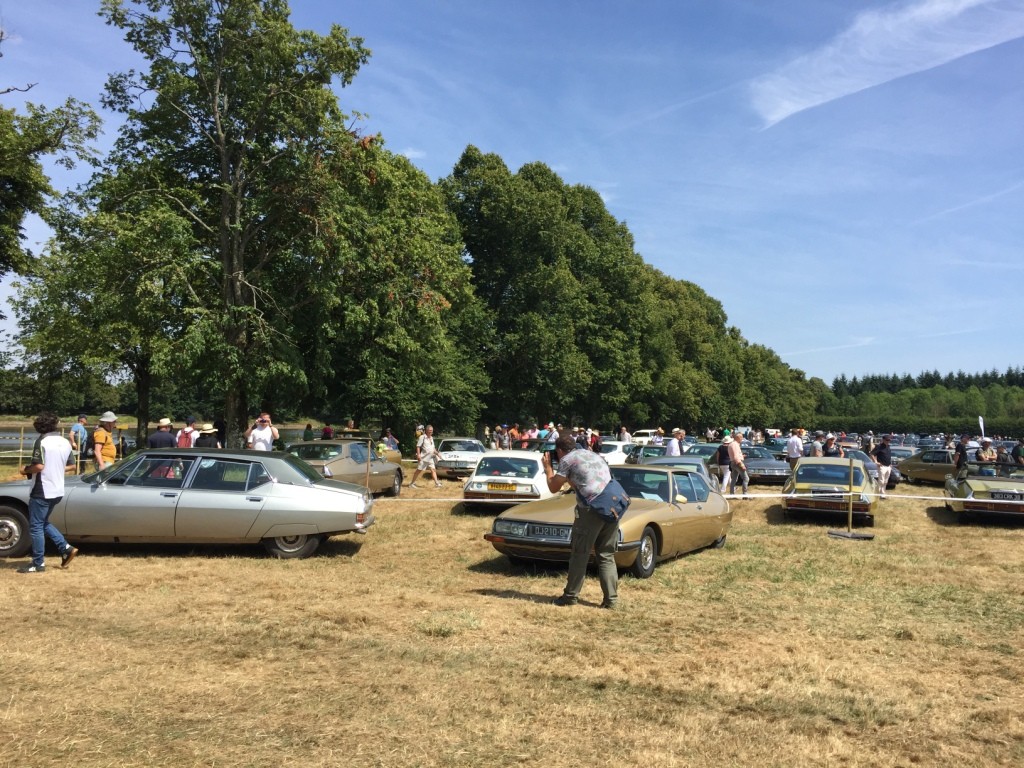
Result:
{"points": [[290, 543], [10, 534], [646, 552]]}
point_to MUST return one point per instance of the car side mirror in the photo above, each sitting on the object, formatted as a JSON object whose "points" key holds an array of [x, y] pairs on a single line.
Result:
{"points": [[680, 499], [327, 472]]}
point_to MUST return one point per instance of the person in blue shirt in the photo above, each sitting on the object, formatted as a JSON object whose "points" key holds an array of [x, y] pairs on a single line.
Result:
{"points": [[77, 436]]}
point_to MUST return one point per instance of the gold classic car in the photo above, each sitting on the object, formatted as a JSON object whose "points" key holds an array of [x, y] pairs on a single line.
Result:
{"points": [[930, 465], [672, 511], [995, 488], [351, 461], [820, 484]]}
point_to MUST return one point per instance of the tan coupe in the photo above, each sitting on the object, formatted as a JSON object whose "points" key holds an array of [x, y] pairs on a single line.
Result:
{"points": [[673, 511]]}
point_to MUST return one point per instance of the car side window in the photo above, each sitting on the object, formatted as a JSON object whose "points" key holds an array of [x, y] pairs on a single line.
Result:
{"points": [[258, 476], [684, 487], [220, 475], [700, 487], [357, 452], [153, 472]]}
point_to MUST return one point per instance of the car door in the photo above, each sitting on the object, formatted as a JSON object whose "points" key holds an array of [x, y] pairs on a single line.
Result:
{"points": [[939, 464], [693, 528], [222, 499], [137, 500]]}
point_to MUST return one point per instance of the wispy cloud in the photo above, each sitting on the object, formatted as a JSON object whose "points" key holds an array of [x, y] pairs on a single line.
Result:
{"points": [[971, 203], [413, 154], [883, 45], [856, 341]]}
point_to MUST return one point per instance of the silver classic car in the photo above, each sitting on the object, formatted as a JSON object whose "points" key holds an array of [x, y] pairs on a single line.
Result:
{"points": [[197, 496]]}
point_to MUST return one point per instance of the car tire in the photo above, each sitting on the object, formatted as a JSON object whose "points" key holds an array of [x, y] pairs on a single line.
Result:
{"points": [[293, 547], [396, 485], [646, 555], [719, 542], [14, 538]]}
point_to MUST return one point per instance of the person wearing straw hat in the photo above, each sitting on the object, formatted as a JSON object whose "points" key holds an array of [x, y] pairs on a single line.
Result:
{"points": [[105, 452], [162, 438], [207, 437]]}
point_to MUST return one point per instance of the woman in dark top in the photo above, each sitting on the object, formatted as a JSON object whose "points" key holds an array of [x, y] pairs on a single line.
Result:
{"points": [[831, 447], [207, 437]]}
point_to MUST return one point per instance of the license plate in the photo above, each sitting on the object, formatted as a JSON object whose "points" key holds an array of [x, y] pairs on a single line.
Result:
{"points": [[1005, 496], [501, 486], [550, 531]]}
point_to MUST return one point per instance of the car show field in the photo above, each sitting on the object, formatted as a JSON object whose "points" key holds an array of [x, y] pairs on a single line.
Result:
{"points": [[420, 645]]}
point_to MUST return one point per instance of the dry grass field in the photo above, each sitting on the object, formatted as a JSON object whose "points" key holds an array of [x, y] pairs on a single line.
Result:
{"points": [[418, 645]]}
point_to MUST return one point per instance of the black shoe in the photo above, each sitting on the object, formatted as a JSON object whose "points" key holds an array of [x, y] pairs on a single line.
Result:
{"points": [[564, 600], [32, 569], [68, 556], [609, 604]]}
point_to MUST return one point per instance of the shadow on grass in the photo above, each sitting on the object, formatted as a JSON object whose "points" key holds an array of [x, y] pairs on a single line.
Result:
{"points": [[515, 594], [335, 547], [775, 515], [947, 517], [504, 566], [478, 510]]}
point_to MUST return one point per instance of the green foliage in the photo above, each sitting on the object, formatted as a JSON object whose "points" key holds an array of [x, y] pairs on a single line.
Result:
{"points": [[24, 188]]}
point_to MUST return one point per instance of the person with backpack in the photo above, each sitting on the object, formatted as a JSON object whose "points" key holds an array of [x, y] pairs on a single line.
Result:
{"points": [[187, 435]]}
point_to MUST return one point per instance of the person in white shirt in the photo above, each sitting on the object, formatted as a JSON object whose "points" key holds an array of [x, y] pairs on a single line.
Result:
{"points": [[261, 435], [795, 447], [187, 435], [50, 455], [674, 447]]}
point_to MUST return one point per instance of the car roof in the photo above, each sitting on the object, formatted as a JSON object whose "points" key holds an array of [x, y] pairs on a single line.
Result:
{"points": [[238, 453], [513, 454], [830, 460]]}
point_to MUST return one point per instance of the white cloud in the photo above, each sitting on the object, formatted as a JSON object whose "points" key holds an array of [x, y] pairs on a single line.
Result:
{"points": [[883, 45], [413, 154], [856, 341]]}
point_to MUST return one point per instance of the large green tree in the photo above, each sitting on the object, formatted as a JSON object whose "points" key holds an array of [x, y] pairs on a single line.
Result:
{"points": [[235, 117]]}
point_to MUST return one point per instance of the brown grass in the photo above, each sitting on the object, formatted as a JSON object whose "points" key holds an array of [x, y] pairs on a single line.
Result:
{"points": [[423, 647]]}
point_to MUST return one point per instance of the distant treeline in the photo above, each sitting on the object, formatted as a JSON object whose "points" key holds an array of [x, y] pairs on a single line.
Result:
{"points": [[893, 383]]}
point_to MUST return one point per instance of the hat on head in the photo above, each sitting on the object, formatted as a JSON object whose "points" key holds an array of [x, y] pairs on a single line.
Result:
{"points": [[830, 436], [108, 416], [675, 430], [986, 439], [190, 419], [726, 440], [661, 431], [208, 429], [164, 422]]}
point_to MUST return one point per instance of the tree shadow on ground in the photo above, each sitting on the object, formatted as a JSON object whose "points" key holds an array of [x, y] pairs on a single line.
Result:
{"points": [[334, 547]]}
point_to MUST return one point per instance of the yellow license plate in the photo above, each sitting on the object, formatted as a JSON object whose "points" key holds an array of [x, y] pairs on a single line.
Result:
{"points": [[501, 486]]}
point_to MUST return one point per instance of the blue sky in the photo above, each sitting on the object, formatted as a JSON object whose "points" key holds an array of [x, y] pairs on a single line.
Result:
{"points": [[847, 178]]}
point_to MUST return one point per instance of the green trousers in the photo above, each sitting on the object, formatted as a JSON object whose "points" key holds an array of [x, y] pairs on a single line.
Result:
{"points": [[593, 533]]}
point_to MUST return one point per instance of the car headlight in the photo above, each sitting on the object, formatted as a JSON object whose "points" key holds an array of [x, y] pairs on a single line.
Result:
{"points": [[509, 528]]}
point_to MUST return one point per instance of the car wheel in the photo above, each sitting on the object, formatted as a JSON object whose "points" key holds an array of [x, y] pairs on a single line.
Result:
{"points": [[646, 556], [719, 542], [396, 485], [292, 547], [14, 538]]}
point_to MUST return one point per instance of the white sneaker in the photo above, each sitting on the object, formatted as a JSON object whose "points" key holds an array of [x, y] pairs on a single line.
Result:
{"points": [[413, 485], [437, 485]]}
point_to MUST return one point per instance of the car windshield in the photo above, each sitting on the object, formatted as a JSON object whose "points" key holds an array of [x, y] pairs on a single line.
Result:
{"points": [[651, 450], [317, 451], [467, 446], [757, 452], [703, 449], [828, 474], [610, 447], [508, 466], [853, 453]]}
